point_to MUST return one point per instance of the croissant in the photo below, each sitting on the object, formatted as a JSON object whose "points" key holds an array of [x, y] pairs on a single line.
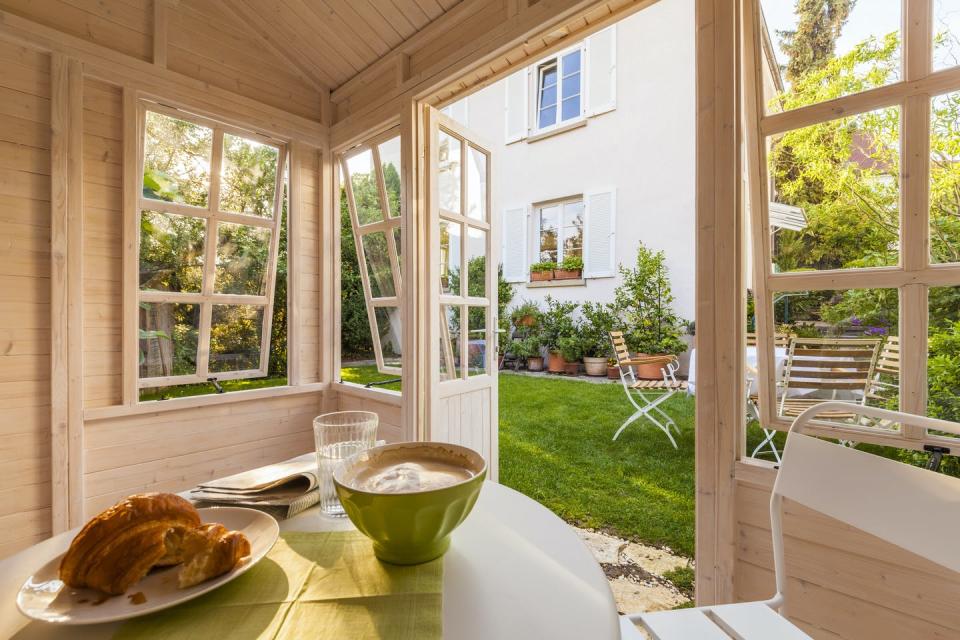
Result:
{"points": [[211, 551], [119, 546]]}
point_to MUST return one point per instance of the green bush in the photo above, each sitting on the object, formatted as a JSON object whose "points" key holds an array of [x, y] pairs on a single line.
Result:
{"points": [[557, 322], [571, 348], [598, 321], [572, 263], [645, 301]]}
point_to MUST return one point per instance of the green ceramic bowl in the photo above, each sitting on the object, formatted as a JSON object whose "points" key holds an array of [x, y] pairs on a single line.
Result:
{"points": [[413, 526]]}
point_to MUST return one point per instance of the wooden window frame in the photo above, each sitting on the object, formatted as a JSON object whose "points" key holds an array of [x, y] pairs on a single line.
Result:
{"points": [[914, 274], [388, 227], [212, 215], [557, 60]]}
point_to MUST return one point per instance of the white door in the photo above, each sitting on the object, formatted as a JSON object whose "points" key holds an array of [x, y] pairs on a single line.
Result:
{"points": [[462, 284]]}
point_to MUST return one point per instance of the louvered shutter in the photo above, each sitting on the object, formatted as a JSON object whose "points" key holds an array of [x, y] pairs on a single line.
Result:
{"points": [[515, 106], [602, 71], [514, 228], [600, 225]]}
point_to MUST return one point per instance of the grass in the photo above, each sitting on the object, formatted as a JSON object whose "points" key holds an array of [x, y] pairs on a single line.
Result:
{"points": [[365, 374], [202, 389]]}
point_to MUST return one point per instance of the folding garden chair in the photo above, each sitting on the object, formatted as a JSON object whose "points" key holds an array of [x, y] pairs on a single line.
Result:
{"points": [[782, 341], [652, 393], [836, 481]]}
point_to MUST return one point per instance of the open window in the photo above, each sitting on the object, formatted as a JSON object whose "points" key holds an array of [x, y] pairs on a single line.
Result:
{"points": [[211, 215]]}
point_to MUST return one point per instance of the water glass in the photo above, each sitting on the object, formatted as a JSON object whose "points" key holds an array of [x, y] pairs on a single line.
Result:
{"points": [[338, 436]]}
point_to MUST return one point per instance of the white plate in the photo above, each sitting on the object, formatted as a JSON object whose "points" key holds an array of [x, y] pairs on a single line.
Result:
{"points": [[44, 597]]}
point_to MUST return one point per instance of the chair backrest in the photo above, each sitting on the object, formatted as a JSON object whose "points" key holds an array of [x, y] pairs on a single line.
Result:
{"points": [[912, 508], [889, 361], [620, 348], [779, 339], [830, 364]]}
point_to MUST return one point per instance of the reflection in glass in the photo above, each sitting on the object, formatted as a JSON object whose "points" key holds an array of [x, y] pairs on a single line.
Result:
{"points": [[547, 96], [171, 252], [235, 331], [448, 157], [391, 334], [390, 163], [572, 232], [476, 262], [366, 194], [943, 376], [477, 352], [449, 342], [378, 265], [176, 160], [549, 225], [476, 184], [399, 245], [945, 178], [248, 176], [946, 34], [168, 339], [242, 254], [450, 264]]}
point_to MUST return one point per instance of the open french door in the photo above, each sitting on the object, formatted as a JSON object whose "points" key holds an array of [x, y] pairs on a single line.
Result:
{"points": [[461, 317]]}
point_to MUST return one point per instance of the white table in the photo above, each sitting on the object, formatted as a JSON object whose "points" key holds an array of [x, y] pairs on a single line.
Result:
{"points": [[514, 570], [749, 361]]}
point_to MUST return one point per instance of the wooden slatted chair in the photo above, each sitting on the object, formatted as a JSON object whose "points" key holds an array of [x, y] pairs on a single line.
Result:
{"points": [[780, 341], [886, 378], [838, 482], [651, 393]]}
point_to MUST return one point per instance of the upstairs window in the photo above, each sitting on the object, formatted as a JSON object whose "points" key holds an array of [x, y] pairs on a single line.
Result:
{"points": [[559, 87]]}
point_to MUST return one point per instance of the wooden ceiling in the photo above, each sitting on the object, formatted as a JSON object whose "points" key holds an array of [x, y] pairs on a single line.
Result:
{"points": [[330, 41]]}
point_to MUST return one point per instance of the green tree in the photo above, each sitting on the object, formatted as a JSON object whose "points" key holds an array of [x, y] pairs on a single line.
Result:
{"points": [[645, 300], [812, 43]]}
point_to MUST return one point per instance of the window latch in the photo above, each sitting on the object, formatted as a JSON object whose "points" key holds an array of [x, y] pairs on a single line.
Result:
{"points": [[936, 456], [216, 385]]}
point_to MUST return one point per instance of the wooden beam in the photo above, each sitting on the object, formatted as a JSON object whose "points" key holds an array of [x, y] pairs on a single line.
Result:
{"points": [[161, 21], [131, 228]]}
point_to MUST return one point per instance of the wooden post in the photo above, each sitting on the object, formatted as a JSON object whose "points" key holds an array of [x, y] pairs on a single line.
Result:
{"points": [[160, 24]]}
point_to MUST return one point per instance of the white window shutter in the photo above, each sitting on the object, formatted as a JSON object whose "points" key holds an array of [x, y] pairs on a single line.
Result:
{"points": [[602, 71], [600, 209], [514, 229], [515, 107]]}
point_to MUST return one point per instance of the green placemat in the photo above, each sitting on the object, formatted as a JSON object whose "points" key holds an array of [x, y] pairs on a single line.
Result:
{"points": [[310, 585]]}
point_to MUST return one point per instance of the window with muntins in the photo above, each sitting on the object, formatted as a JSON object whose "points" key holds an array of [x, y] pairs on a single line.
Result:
{"points": [[559, 90], [211, 211], [561, 231]]}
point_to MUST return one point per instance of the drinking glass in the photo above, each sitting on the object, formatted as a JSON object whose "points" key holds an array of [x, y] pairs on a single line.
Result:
{"points": [[338, 436]]}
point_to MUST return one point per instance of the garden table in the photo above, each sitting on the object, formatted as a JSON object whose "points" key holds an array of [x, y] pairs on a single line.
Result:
{"points": [[514, 570], [749, 360]]}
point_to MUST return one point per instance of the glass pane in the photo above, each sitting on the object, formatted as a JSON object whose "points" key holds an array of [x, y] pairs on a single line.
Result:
{"points": [[548, 76], [450, 233], [549, 227], [449, 173], [378, 265], [449, 342], [477, 352], [242, 256], [946, 34], [171, 252], [571, 108], [168, 339], [399, 245], [943, 365], [945, 178], [248, 176], [571, 86], [235, 331], [365, 191], [571, 63], [391, 335], [548, 96], [176, 160], [390, 162], [827, 50], [844, 176], [548, 117], [476, 184], [476, 262]]}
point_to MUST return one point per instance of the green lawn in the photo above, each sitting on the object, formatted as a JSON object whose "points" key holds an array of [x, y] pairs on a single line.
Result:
{"points": [[187, 390]]}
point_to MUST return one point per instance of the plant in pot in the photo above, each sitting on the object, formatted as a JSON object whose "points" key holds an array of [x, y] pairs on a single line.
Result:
{"points": [[557, 322], [542, 271], [613, 369], [571, 350], [529, 348], [598, 321], [525, 314], [645, 300], [571, 268]]}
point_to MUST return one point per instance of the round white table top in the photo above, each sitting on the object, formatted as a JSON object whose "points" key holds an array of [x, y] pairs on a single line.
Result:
{"points": [[514, 570]]}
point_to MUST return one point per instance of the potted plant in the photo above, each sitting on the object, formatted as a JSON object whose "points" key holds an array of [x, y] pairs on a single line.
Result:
{"points": [[540, 271], [557, 322], [651, 327], [525, 314], [613, 369], [571, 268], [598, 321], [529, 348], [571, 351]]}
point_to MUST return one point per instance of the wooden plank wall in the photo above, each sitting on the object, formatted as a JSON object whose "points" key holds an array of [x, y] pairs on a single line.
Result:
{"points": [[307, 263], [387, 405], [464, 418], [25, 481]]}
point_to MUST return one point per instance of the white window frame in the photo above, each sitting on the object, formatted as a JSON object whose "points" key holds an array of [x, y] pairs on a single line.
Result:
{"points": [[557, 60], [212, 215], [538, 212]]}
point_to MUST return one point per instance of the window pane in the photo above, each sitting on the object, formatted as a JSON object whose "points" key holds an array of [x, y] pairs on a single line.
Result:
{"points": [[378, 265], [248, 176], [943, 365], [450, 234], [168, 339], [449, 342], [477, 352], [399, 246], [365, 191], [548, 117], [476, 184], [176, 160], [171, 252], [390, 162], [548, 96], [548, 75], [844, 175], [449, 172], [242, 256], [391, 335], [571, 108], [571, 86], [945, 178], [477, 262], [235, 331], [946, 34], [571, 63], [825, 51], [549, 223]]}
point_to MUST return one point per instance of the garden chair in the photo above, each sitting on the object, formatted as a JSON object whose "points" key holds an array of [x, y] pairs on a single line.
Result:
{"points": [[886, 378], [836, 481], [780, 340], [651, 393]]}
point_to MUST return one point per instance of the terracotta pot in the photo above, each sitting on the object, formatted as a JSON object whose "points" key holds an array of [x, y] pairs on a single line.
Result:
{"points": [[567, 274], [613, 373], [556, 362], [571, 368], [595, 366], [539, 276], [648, 371], [526, 321], [535, 363]]}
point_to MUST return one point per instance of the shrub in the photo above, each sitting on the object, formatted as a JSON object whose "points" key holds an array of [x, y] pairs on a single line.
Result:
{"points": [[598, 321], [646, 303], [571, 348], [572, 263], [557, 322]]}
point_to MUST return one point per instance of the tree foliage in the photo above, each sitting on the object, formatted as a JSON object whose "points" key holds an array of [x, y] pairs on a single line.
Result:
{"points": [[812, 43]]}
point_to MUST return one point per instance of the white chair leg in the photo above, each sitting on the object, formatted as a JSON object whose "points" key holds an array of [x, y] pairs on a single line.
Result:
{"points": [[767, 440], [629, 420]]}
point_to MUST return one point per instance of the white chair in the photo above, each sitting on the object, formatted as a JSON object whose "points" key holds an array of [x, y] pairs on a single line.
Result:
{"points": [[833, 480]]}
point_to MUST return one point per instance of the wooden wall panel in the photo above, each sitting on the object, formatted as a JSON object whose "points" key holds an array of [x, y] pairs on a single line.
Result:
{"points": [[25, 482], [387, 406], [307, 260]]}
